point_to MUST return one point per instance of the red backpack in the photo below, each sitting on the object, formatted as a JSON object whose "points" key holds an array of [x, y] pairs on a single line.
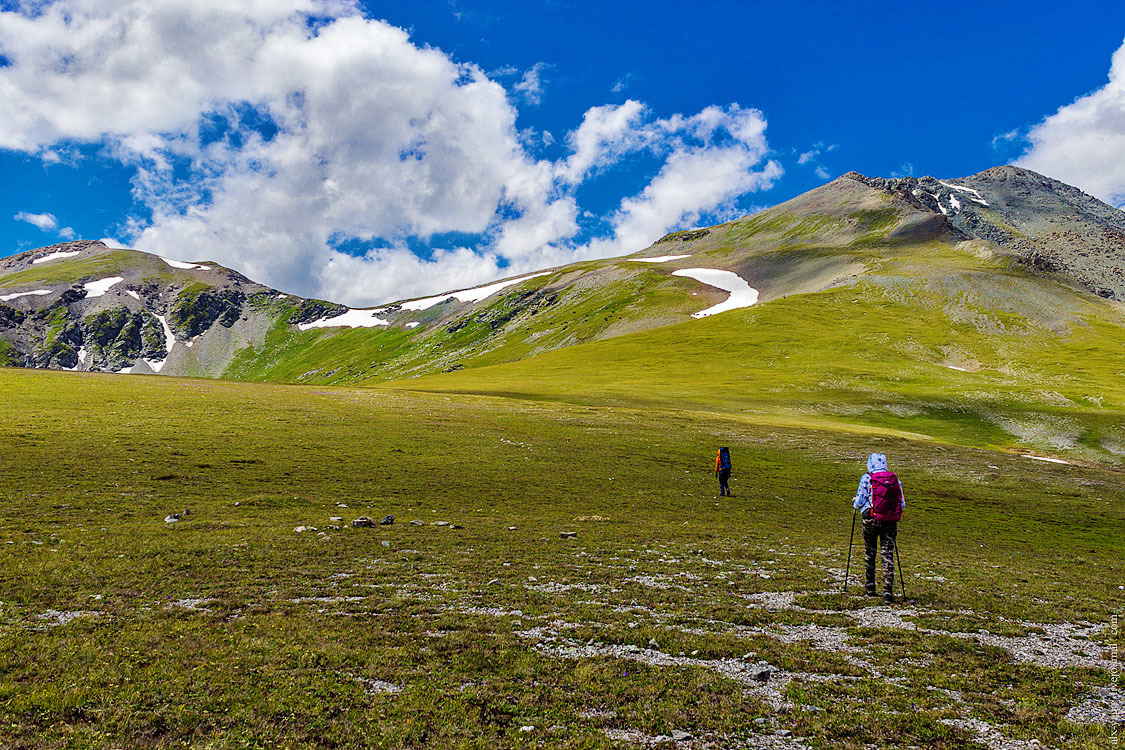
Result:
{"points": [[886, 496]]}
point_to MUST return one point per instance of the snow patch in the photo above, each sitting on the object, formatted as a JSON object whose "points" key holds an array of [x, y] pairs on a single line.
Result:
{"points": [[184, 266], [937, 198], [55, 256], [741, 293], [415, 324], [1048, 460], [350, 319], [17, 295], [468, 295], [658, 259], [955, 367], [169, 343], [978, 197], [101, 286], [954, 202], [133, 294]]}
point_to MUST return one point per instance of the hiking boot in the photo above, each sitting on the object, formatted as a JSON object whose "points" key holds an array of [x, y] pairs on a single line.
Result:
{"points": [[871, 590], [888, 597]]}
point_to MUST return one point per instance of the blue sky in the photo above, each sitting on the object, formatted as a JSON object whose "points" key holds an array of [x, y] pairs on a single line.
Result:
{"points": [[378, 151]]}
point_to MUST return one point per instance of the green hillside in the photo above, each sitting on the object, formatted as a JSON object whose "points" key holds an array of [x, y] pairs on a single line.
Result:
{"points": [[1040, 363]]}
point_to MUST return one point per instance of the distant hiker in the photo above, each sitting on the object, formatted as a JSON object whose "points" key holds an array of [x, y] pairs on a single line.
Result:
{"points": [[880, 502], [722, 470]]}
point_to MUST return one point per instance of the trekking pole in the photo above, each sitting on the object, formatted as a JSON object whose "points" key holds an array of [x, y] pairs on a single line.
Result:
{"points": [[898, 557], [851, 537]]}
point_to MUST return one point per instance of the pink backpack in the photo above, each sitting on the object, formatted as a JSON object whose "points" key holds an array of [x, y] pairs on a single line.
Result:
{"points": [[886, 496]]}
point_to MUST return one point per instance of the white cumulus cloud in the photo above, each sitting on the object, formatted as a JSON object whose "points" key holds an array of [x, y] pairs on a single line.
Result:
{"points": [[270, 136], [1083, 142], [45, 222]]}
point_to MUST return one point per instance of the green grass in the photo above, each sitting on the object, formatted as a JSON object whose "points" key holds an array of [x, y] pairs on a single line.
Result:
{"points": [[299, 634], [69, 271]]}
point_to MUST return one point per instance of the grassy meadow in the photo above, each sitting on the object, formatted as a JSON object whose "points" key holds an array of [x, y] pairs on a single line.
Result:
{"points": [[228, 629]]}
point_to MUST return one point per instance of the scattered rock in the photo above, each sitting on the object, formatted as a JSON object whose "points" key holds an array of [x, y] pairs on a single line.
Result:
{"points": [[340, 505], [527, 728], [362, 522], [386, 544], [456, 526], [494, 581], [335, 519], [387, 520], [237, 504], [533, 579], [782, 732], [568, 534], [417, 523], [511, 528], [333, 527], [171, 518], [440, 523], [762, 671], [678, 735], [303, 529], [653, 644]]}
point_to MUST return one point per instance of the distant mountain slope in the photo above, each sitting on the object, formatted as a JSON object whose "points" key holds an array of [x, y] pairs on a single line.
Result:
{"points": [[1046, 223]]}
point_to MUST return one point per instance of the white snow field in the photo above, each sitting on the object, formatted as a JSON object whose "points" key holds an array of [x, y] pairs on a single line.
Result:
{"points": [[468, 295], [657, 259], [350, 319], [132, 294], [101, 286], [741, 293], [17, 295], [55, 256], [183, 266]]}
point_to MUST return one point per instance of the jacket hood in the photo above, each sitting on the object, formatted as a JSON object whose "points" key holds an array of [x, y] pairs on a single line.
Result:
{"points": [[876, 462]]}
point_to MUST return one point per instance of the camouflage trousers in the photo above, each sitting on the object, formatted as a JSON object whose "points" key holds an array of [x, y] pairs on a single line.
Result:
{"points": [[881, 534]]}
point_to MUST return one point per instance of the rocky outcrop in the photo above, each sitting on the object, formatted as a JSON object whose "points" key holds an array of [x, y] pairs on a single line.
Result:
{"points": [[315, 309], [196, 310], [117, 338]]}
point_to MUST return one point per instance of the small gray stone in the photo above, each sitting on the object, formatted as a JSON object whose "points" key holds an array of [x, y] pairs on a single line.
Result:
{"points": [[386, 544], [761, 671], [456, 526], [171, 518], [494, 581], [335, 519], [680, 736], [387, 520], [782, 732], [568, 534], [440, 523], [362, 522], [653, 644], [417, 523]]}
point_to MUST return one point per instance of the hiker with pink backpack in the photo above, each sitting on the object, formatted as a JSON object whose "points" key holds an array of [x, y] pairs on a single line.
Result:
{"points": [[880, 503]]}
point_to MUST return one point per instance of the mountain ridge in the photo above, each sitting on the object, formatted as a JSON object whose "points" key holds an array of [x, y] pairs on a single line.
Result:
{"points": [[173, 317]]}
